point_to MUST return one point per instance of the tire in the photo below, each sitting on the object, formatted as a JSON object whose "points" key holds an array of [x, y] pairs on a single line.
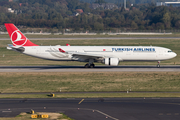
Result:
{"points": [[92, 66], [86, 66]]}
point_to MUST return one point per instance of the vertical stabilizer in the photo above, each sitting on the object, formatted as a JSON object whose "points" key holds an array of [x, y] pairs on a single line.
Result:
{"points": [[17, 38]]}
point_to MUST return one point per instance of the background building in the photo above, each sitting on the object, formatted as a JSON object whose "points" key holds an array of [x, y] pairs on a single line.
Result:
{"points": [[104, 5], [174, 4]]}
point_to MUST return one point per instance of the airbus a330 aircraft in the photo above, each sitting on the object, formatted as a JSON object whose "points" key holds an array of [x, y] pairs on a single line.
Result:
{"points": [[109, 55]]}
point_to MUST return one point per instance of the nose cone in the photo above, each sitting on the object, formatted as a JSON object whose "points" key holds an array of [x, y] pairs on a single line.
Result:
{"points": [[173, 54], [170, 55]]}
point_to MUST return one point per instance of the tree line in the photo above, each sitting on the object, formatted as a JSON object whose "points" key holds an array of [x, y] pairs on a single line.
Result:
{"points": [[60, 14], [130, 1]]}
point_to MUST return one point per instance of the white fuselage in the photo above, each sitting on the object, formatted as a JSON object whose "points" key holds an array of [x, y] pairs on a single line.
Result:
{"points": [[109, 55], [123, 53]]}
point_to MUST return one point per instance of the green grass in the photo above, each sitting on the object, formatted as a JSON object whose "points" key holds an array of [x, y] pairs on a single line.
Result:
{"points": [[117, 95], [66, 117], [101, 81], [14, 58], [91, 95]]}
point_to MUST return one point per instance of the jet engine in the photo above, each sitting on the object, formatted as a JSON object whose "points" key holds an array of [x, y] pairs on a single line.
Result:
{"points": [[111, 61]]}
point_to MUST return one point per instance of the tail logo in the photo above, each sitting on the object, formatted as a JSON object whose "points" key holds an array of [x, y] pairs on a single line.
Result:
{"points": [[18, 38]]}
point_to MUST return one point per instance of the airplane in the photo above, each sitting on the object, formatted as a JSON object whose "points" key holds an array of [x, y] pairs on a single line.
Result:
{"points": [[108, 55]]}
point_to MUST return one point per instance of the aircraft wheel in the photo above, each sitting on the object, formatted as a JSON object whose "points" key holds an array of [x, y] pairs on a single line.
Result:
{"points": [[158, 66], [92, 66], [86, 66]]}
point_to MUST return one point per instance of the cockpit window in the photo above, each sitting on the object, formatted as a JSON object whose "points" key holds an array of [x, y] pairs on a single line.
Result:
{"points": [[169, 51]]}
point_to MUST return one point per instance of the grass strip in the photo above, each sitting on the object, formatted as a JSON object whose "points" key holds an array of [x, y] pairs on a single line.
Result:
{"points": [[91, 95], [89, 82]]}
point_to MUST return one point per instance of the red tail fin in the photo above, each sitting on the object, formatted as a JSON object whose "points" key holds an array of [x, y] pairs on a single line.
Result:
{"points": [[17, 38]]}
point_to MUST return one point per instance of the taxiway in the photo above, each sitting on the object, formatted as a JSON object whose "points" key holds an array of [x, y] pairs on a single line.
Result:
{"points": [[124, 68], [98, 108]]}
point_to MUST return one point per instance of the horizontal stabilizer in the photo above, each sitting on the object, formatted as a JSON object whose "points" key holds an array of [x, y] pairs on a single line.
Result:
{"points": [[15, 48]]}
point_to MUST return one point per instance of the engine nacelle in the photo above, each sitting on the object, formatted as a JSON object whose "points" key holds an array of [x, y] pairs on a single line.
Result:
{"points": [[111, 61]]}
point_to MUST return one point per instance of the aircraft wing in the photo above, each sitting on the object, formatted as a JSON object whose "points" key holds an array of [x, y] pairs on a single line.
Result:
{"points": [[86, 55]]}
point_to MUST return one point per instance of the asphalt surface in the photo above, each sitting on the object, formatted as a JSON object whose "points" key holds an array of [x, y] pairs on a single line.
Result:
{"points": [[99, 38], [98, 108], [125, 68]]}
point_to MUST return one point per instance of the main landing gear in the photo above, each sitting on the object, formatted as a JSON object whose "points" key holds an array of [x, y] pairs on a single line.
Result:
{"points": [[158, 65], [90, 64]]}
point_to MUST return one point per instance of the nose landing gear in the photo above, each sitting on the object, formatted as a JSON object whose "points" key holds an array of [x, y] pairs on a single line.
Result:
{"points": [[158, 65]]}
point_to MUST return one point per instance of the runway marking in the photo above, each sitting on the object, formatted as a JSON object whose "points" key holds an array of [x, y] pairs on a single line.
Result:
{"points": [[176, 113], [155, 98], [160, 113], [6, 111], [106, 115], [100, 113], [172, 103], [81, 101], [70, 98], [168, 113]]}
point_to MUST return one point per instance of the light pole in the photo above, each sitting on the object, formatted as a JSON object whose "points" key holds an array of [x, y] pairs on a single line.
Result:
{"points": [[124, 4]]}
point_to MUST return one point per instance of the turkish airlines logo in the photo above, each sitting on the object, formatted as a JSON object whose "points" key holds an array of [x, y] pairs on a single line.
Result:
{"points": [[18, 38]]}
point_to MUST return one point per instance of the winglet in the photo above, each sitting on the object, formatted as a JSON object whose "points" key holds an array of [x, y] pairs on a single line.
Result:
{"points": [[68, 44], [17, 37]]}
